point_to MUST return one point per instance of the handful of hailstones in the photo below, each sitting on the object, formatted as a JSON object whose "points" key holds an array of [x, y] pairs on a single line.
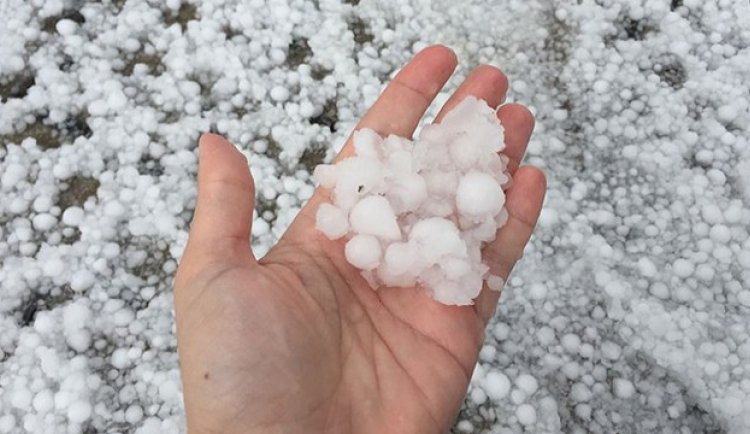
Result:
{"points": [[419, 212]]}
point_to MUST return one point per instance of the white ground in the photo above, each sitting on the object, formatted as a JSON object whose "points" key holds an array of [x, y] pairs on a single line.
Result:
{"points": [[630, 312]]}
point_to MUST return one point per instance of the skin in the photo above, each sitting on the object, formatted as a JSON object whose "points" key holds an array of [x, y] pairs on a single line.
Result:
{"points": [[297, 341]]}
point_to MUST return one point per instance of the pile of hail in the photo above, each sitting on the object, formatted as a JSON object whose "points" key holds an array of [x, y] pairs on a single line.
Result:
{"points": [[419, 212]]}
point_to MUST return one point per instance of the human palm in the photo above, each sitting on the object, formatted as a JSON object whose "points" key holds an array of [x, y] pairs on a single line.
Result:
{"points": [[298, 341]]}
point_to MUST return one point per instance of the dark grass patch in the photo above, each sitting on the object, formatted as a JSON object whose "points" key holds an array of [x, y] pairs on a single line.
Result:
{"points": [[231, 32], [152, 61], [671, 71], [319, 73], [66, 63], [49, 24], [17, 85], [46, 136], [328, 117], [52, 136], [26, 313], [150, 166], [361, 30], [76, 126], [267, 209], [557, 43], [186, 13], [273, 148], [78, 189], [153, 265], [314, 155], [299, 52], [636, 29], [70, 236]]}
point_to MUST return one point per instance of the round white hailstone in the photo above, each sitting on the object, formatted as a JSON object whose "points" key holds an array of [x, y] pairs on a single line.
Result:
{"points": [[367, 143], [79, 340], [705, 272], [646, 267], [711, 368], [373, 215], [7, 423], [21, 399], [117, 100], [712, 214], [44, 323], [478, 396], [744, 297], [571, 343], [399, 258], [134, 414], [82, 280], [73, 216], [526, 414], [306, 109], [331, 221], [53, 267], [79, 412], [517, 396], [623, 388], [151, 425], [495, 283], [479, 196], [407, 193], [580, 392], [583, 411], [727, 113], [355, 178], [455, 268], [743, 258], [325, 175], [611, 350], [487, 353], [720, 234], [168, 390], [43, 401], [683, 268], [501, 331], [659, 290], [496, 385], [279, 94], [66, 27], [546, 336], [120, 358], [538, 291], [437, 238], [12, 175], [363, 251], [732, 405], [527, 383], [465, 426], [43, 222]]}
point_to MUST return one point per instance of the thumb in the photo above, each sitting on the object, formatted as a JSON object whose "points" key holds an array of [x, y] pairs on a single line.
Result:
{"points": [[220, 231]]}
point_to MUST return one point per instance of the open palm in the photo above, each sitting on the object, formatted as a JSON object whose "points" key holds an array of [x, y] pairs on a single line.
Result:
{"points": [[297, 341]]}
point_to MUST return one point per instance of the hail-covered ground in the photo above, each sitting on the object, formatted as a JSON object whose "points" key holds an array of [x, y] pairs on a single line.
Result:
{"points": [[630, 312]]}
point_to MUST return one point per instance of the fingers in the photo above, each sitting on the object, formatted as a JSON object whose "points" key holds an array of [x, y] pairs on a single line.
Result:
{"points": [[518, 123], [403, 103], [220, 231], [523, 202], [485, 82]]}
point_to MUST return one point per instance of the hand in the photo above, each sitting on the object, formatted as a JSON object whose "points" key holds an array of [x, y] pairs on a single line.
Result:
{"points": [[297, 341]]}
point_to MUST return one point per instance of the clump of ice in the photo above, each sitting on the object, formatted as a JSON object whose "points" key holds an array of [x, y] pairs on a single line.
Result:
{"points": [[419, 212]]}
